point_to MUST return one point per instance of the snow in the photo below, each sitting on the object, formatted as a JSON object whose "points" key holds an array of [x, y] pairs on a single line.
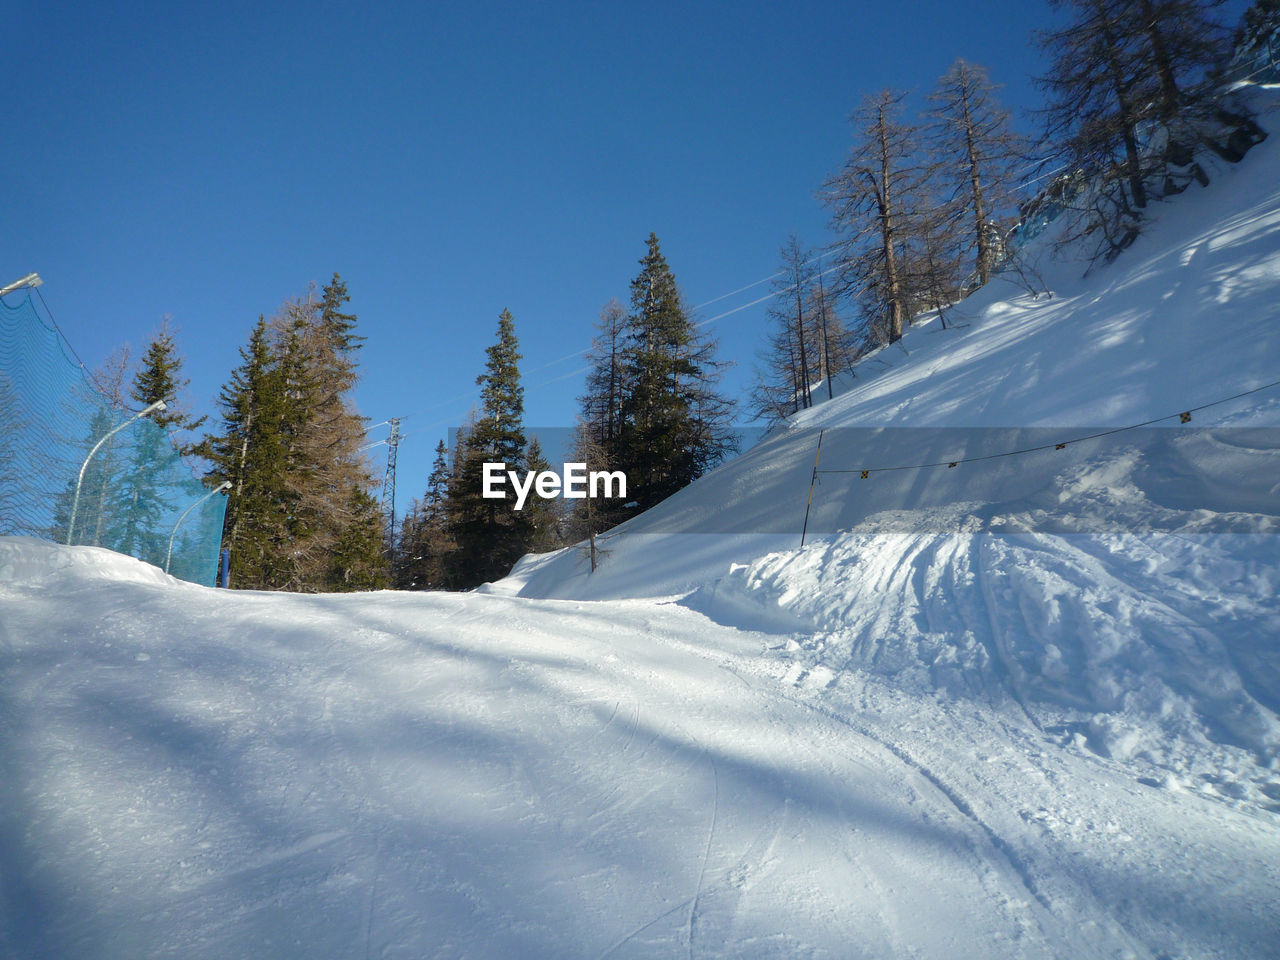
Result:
{"points": [[206, 774], [1025, 707]]}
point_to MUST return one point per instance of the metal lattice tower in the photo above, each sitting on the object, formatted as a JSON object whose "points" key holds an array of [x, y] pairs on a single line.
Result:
{"points": [[389, 480]]}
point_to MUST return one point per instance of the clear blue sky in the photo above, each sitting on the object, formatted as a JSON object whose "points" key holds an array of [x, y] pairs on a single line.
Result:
{"points": [[208, 161]]}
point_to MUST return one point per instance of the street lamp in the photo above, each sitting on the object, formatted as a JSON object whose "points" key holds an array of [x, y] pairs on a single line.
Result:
{"points": [[30, 280], [75, 502], [225, 485]]}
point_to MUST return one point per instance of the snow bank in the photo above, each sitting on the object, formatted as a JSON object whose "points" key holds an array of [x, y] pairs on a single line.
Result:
{"points": [[1161, 648], [28, 561]]}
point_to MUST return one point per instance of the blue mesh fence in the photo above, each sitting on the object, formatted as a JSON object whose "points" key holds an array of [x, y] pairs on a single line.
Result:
{"points": [[135, 494]]}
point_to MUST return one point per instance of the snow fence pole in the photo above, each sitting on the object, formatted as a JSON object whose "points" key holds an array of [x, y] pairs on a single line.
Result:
{"points": [[812, 480]]}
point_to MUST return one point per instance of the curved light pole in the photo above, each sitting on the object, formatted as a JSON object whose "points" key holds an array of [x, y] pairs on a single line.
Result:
{"points": [[31, 280], [75, 502], [225, 485]]}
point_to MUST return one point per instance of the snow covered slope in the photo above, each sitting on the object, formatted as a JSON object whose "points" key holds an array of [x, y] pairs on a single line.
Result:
{"points": [[1025, 707], [1122, 592], [1186, 316], [193, 773]]}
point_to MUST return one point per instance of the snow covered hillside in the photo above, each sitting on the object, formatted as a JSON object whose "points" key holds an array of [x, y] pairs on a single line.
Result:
{"points": [[1121, 592], [1022, 707], [1186, 316], [201, 774]]}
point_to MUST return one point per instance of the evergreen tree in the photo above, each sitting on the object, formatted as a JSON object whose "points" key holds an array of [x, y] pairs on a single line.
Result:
{"points": [[675, 426], [96, 507], [356, 560], [500, 430], [142, 515], [490, 535], [544, 516], [251, 453], [160, 378], [425, 544], [339, 328], [97, 511], [328, 478]]}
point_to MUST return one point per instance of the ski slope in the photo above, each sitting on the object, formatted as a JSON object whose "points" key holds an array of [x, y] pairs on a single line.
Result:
{"points": [[1185, 317], [191, 773], [1025, 707], [1121, 592]]}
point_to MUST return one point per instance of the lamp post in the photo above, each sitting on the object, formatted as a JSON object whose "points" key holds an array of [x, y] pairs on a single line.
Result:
{"points": [[225, 485], [75, 502], [30, 280]]}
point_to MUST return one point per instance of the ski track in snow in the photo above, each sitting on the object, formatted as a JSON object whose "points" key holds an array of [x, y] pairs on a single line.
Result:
{"points": [[447, 775]]}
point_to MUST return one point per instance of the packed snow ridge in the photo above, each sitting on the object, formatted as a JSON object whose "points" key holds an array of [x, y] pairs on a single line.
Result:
{"points": [[1024, 707]]}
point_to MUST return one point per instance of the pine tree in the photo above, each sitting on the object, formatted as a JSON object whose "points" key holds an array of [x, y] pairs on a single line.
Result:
{"points": [[139, 528], [876, 204], [356, 559], [160, 378], [543, 516], [328, 478], [426, 547], [251, 453], [97, 509], [674, 423], [976, 156], [490, 535], [500, 430]]}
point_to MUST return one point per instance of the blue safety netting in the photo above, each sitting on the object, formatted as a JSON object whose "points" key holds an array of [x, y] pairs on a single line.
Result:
{"points": [[66, 476]]}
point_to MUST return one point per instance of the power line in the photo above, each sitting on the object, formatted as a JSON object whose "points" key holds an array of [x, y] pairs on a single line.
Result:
{"points": [[584, 352], [758, 300]]}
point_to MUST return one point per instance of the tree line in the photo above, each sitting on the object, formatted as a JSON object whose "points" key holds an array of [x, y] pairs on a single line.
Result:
{"points": [[651, 409], [925, 207], [302, 513]]}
